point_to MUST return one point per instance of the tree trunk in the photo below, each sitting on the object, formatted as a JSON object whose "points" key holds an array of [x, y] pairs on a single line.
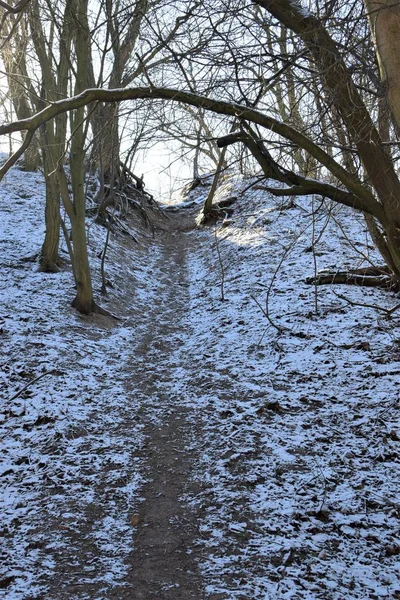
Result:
{"points": [[106, 142], [49, 259], [83, 301], [384, 19], [52, 152], [32, 156], [208, 205]]}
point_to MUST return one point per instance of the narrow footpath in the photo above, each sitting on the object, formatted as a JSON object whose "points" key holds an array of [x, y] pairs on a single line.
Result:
{"points": [[164, 561], [154, 426], [200, 448]]}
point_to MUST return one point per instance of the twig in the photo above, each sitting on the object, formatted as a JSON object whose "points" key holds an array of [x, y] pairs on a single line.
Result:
{"points": [[257, 181], [274, 276], [103, 257], [387, 311], [265, 310], [322, 505], [52, 372], [313, 243], [145, 72], [391, 404], [380, 499], [351, 243], [266, 315], [221, 265]]}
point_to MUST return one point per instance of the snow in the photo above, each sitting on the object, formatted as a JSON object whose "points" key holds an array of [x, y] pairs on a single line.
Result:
{"points": [[299, 449], [295, 434], [43, 429]]}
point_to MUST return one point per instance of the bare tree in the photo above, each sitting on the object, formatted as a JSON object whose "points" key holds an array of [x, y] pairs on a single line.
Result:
{"points": [[14, 52]]}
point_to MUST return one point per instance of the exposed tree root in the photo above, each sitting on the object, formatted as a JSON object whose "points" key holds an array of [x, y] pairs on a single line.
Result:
{"points": [[210, 218], [123, 192], [380, 277], [222, 210], [33, 258], [93, 308], [48, 267], [98, 310]]}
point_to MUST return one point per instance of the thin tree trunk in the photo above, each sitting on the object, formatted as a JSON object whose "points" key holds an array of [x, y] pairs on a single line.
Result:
{"points": [[106, 142], [14, 59], [51, 153], [83, 301], [49, 258], [207, 208]]}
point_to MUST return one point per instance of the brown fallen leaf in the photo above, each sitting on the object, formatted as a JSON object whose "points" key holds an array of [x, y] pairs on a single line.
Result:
{"points": [[135, 519]]}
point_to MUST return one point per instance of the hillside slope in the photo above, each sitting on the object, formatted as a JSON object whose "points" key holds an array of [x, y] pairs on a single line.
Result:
{"points": [[207, 445]]}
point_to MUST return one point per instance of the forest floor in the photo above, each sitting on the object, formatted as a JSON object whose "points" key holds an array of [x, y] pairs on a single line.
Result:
{"points": [[197, 449]]}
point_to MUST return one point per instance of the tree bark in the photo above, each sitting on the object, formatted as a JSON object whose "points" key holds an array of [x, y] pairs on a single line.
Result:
{"points": [[105, 121], [83, 300], [48, 260], [106, 142], [208, 204], [384, 19]]}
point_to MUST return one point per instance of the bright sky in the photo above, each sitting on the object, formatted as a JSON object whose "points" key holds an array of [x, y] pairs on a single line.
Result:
{"points": [[164, 176]]}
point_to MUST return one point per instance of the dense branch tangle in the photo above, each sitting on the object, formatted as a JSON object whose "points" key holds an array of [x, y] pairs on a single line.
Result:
{"points": [[337, 80], [363, 198], [14, 10]]}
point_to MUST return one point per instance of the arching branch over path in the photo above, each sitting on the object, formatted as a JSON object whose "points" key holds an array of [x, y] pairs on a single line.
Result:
{"points": [[366, 200], [298, 185]]}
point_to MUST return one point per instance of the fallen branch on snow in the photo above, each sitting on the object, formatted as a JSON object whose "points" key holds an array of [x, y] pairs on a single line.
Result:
{"points": [[52, 372]]}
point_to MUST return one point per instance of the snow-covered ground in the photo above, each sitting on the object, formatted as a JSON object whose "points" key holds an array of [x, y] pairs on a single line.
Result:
{"points": [[62, 439], [298, 412], [302, 449]]}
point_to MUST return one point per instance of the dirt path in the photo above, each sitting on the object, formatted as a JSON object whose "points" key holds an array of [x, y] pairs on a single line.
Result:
{"points": [[161, 438], [163, 562]]}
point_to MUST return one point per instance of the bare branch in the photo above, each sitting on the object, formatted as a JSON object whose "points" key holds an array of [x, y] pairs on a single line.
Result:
{"points": [[367, 201], [298, 185], [14, 157], [14, 9]]}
